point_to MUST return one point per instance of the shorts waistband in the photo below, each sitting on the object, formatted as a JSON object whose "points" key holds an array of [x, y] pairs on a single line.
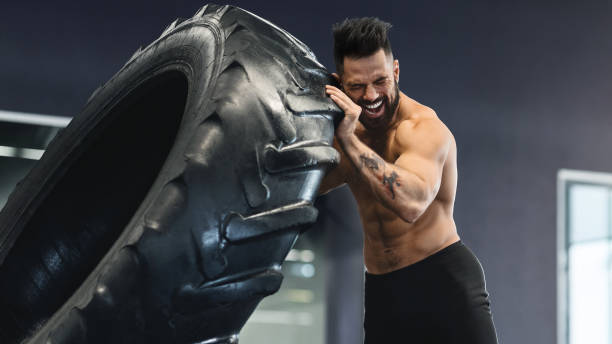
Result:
{"points": [[417, 265]]}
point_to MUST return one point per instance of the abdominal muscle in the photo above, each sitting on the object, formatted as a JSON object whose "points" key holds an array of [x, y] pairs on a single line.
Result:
{"points": [[390, 243]]}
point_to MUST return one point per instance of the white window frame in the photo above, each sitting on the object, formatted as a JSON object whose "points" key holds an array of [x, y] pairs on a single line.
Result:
{"points": [[29, 119], [565, 177]]}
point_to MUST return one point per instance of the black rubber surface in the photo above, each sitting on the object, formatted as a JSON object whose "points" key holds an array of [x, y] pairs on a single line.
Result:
{"points": [[161, 214]]}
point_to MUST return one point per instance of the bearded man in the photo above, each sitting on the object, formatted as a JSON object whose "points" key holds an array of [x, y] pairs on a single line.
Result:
{"points": [[422, 284]]}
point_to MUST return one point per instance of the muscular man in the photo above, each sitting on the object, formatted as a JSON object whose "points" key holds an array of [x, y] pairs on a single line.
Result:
{"points": [[400, 162]]}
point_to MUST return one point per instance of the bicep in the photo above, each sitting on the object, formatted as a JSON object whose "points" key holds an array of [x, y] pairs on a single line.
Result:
{"points": [[424, 152], [427, 171]]}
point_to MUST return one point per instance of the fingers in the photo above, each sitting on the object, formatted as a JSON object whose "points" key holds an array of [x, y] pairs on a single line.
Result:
{"points": [[330, 87], [336, 93], [333, 89], [346, 105], [343, 101], [351, 111]]}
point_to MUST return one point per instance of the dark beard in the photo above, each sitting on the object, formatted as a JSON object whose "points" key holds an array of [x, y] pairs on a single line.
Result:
{"points": [[382, 122]]}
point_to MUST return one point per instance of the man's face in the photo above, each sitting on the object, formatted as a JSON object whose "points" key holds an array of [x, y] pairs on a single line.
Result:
{"points": [[371, 82]]}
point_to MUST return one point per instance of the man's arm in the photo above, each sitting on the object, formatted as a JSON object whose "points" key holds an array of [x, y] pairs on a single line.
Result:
{"points": [[410, 184]]}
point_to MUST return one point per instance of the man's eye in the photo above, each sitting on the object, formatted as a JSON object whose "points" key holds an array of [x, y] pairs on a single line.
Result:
{"points": [[381, 82], [355, 87]]}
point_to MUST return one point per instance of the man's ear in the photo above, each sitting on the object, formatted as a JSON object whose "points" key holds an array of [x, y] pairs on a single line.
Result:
{"points": [[396, 70], [337, 77], [338, 80]]}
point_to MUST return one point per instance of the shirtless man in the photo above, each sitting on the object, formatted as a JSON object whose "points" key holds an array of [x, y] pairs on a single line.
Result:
{"points": [[400, 162]]}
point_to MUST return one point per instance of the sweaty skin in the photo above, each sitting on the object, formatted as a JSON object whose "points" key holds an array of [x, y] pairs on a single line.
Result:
{"points": [[401, 166]]}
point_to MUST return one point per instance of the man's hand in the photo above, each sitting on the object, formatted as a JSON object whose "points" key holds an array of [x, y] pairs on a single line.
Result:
{"points": [[351, 112]]}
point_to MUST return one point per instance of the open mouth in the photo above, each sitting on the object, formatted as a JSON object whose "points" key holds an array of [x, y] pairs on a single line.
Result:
{"points": [[374, 110]]}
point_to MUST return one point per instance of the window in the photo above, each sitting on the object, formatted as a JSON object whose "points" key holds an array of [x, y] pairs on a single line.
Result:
{"points": [[23, 138], [584, 257], [296, 313]]}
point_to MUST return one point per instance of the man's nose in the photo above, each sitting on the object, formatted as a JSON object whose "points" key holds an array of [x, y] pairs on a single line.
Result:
{"points": [[370, 94]]}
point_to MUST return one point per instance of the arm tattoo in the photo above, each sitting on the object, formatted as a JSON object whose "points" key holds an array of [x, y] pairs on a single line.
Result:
{"points": [[371, 163], [389, 181], [374, 163]]}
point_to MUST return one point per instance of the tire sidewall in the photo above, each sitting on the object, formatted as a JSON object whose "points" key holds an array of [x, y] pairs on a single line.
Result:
{"points": [[195, 50]]}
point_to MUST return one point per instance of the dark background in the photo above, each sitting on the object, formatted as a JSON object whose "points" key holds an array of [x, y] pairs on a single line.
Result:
{"points": [[524, 86]]}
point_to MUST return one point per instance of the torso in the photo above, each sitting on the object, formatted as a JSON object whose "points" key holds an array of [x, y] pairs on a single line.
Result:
{"points": [[390, 243]]}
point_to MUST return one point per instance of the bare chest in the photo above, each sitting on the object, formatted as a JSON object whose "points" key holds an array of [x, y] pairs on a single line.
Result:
{"points": [[381, 144]]}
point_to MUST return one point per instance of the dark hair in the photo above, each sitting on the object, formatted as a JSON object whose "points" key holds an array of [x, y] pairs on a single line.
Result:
{"points": [[359, 37]]}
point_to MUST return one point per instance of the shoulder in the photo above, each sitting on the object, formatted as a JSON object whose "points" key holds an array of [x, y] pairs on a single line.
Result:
{"points": [[423, 131]]}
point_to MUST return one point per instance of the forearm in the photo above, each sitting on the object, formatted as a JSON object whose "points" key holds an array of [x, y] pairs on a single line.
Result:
{"points": [[399, 190]]}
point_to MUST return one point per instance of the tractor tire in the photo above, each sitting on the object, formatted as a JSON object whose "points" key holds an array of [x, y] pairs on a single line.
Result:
{"points": [[163, 212]]}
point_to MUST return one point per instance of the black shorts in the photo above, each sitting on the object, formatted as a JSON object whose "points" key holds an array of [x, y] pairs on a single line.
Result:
{"points": [[440, 299]]}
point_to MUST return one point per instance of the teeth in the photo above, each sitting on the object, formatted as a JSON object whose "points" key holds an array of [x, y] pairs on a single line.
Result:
{"points": [[374, 106]]}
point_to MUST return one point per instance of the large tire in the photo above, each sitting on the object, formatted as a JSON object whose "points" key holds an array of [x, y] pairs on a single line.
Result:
{"points": [[162, 213]]}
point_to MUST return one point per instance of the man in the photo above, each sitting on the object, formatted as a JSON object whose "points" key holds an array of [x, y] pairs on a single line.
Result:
{"points": [[400, 162]]}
